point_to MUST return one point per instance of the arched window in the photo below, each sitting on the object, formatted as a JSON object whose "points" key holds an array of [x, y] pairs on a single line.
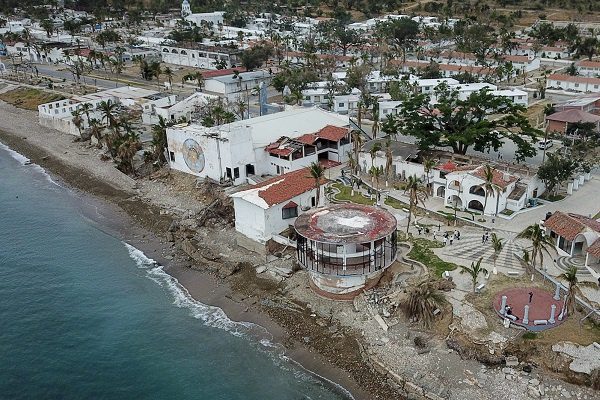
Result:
{"points": [[183, 52], [477, 190], [165, 50], [174, 51]]}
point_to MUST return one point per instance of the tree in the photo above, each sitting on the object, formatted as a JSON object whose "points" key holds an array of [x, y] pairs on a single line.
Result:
{"points": [[376, 122], [256, 56], [570, 276], [159, 140], [587, 47], [497, 245], [556, 170], [488, 185], [462, 124], [215, 113], [317, 172], [77, 120], [96, 130], [417, 193], [373, 152], [168, 72], [572, 70], [126, 152], [108, 109], [106, 37], [48, 26], [422, 301], [474, 271], [389, 159], [376, 173], [357, 143], [540, 243], [402, 34], [428, 164]]}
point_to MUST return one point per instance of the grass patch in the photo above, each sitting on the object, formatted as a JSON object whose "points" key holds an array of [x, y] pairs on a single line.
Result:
{"points": [[345, 194], [529, 335], [506, 211], [392, 202], [553, 197], [28, 98], [421, 251]]}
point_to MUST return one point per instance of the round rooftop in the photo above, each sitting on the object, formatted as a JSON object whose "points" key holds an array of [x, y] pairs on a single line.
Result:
{"points": [[346, 223]]}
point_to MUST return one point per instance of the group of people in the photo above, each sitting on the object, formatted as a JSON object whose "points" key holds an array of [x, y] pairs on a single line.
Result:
{"points": [[449, 238], [485, 237]]}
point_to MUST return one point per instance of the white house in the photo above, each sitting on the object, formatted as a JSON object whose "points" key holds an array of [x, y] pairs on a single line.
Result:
{"points": [[172, 110], [233, 87], [200, 56], [573, 83], [588, 68], [237, 150], [517, 96], [405, 158], [270, 207]]}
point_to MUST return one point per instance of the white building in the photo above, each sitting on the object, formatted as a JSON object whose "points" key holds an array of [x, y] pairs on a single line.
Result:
{"points": [[236, 86], [200, 56], [172, 110], [270, 207], [517, 96], [237, 150], [573, 83], [588, 68], [215, 18]]}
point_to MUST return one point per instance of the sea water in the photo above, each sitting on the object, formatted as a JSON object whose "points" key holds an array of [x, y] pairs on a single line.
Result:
{"points": [[84, 315]]}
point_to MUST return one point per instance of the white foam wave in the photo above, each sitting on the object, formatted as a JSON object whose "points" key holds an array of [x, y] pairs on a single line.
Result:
{"points": [[215, 317], [210, 315], [27, 162]]}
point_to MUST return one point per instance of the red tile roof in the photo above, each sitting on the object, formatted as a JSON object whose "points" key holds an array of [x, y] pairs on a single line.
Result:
{"points": [[287, 186], [594, 249], [573, 116], [501, 179], [576, 79], [570, 225], [333, 133], [448, 166], [309, 138], [221, 72], [588, 63]]}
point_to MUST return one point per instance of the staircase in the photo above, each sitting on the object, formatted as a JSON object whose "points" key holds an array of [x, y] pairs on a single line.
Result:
{"points": [[566, 262]]}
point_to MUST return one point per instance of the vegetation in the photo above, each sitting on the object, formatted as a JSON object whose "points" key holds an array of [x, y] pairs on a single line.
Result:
{"points": [[346, 194], [570, 276], [497, 246], [29, 99], [556, 170], [421, 252], [317, 172], [540, 244], [392, 202], [422, 301], [417, 193], [474, 271]]}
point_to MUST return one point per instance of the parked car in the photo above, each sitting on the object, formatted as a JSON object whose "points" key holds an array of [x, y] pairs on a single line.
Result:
{"points": [[545, 144]]}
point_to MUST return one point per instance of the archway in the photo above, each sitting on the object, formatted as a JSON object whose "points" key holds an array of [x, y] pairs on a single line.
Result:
{"points": [[441, 191], [476, 205], [477, 190], [455, 201]]}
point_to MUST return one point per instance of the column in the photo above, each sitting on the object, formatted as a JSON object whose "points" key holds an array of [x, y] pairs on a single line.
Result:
{"points": [[557, 292], [526, 315], [503, 305], [575, 184], [552, 312]]}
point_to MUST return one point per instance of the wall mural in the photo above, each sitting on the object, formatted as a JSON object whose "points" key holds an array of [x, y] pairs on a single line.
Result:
{"points": [[193, 155]]}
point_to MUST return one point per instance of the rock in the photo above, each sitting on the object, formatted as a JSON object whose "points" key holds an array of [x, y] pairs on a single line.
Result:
{"points": [[512, 361], [261, 269], [533, 392], [527, 368], [174, 226], [566, 394], [534, 382], [170, 237], [508, 371]]}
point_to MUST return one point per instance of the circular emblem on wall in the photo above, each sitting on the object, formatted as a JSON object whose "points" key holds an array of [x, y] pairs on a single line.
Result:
{"points": [[193, 155]]}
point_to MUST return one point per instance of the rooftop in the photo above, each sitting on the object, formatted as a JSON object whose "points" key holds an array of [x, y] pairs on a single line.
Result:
{"points": [[346, 223], [573, 116], [279, 189], [399, 149], [569, 225]]}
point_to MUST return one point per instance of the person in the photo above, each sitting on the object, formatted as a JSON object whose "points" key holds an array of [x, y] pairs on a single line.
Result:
{"points": [[457, 235], [445, 240], [530, 296], [508, 310], [439, 227], [451, 239], [434, 238], [419, 229], [427, 230], [483, 238]]}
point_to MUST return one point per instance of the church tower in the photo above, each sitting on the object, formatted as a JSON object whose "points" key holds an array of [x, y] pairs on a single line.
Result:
{"points": [[186, 9]]}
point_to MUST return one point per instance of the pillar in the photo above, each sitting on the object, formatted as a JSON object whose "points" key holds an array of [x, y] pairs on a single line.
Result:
{"points": [[581, 180], [570, 188], [557, 292], [552, 313], [503, 305], [576, 184], [526, 315]]}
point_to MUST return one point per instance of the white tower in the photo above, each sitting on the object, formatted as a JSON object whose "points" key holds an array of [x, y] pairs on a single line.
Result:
{"points": [[186, 9]]}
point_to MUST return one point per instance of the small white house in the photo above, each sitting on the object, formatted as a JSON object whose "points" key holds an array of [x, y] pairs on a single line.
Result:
{"points": [[233, 87], [199, 56], [589, 68], [573, 83], [270, 207], [172, 110]]}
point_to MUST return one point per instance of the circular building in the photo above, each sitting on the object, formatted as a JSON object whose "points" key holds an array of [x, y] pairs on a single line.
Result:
{"points": [[345, 247]]}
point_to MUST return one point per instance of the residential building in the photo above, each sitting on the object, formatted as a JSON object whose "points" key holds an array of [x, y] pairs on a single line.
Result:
{"points": [[588, 68], [270, 207], [200, 56], [238, 85], [172, 110], [563, 121], [573, 83]]}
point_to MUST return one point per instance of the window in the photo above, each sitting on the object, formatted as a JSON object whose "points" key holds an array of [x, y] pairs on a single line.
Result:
{"points": [[289, 211], [228, 172], [595, 86], [341, 105], [236, 173], [250, 169], [172, 156], [313, 201], [577, 85]]}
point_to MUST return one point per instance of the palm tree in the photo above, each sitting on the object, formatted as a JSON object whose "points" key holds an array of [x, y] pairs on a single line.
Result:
{"points": [[428, 164], [352, 162], [488, 185], [376, 173], [108, 109], [374, 149], [474, 271], [157, 72], [571, 277], [422, 301], [96, 130], [416, 194], [86, 108], [159, 140], [389, 159], [77, 120], [168, 72], [126, 152], [540, 243], [317, 172], [497, 245], [199, 79], [376, 122], [357, 142]]}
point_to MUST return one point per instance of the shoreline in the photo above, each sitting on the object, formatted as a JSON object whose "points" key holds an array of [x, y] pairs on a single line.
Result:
{"points": [[117, 212]]}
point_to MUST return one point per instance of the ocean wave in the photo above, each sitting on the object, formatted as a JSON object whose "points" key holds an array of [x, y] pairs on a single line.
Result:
{"points": [[215, 317], [27, 162], [211, 316]]}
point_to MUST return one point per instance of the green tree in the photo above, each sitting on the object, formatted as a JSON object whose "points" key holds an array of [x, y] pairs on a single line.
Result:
{"points": [[428, 164], [570, 276], [462, 124], [556, 170], [422, 301], [540, 244], [317, 172], [417, 193], [497, 246], [159, 140], [402, 34], [474, 271], [108, 109]]}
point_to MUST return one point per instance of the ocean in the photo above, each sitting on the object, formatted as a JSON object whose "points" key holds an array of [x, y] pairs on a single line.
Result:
{"points": [[84, 315]]}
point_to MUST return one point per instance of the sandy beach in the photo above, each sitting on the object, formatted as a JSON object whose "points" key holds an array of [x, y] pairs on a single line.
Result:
{"points": [[113, 201]]}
